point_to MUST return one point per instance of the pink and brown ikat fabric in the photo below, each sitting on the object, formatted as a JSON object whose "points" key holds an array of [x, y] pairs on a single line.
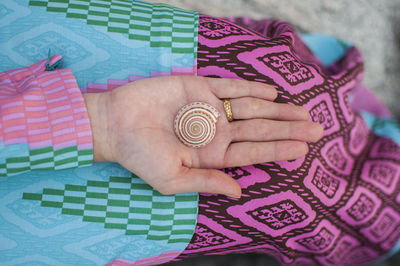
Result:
{"points": [[337, 205]]}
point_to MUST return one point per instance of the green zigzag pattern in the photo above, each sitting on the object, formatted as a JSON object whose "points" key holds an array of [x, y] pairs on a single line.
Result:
{"points": [[126, 203], [159, 24]]}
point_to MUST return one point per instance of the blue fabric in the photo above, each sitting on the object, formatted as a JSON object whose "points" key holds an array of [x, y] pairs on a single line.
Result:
{"points": [[32, 234], [92, 53], [327, 48], [384, 127]]}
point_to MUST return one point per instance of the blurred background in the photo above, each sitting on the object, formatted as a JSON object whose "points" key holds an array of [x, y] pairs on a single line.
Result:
{"points": [[372, 25]]}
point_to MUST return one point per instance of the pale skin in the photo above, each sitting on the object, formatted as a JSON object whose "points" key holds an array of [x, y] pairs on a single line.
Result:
{"points": [[133, 125]]}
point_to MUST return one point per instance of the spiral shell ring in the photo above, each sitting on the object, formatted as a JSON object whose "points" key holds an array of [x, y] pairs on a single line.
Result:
{"points": [[195, 124]]}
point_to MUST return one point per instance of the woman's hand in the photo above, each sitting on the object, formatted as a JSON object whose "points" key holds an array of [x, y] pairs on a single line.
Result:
{"points": [[134, 126]]}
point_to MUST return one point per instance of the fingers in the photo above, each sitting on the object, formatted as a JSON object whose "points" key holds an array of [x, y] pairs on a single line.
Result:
{"points": [[206, 181], [268, 130], [246, 153], [248, 107], [234, 88]]}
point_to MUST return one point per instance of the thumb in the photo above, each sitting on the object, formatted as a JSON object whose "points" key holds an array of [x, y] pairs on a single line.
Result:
{"points": [[208, 181]]}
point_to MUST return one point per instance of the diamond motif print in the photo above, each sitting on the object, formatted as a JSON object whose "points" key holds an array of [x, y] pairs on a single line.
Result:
{"points": [[288, 66], [361, 208], [322, 115], [325, 182], [125, 203], [279, 215], [204, 237]]}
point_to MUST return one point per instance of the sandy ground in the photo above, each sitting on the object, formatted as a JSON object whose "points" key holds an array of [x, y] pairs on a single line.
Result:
{"points": [[372, 25]]}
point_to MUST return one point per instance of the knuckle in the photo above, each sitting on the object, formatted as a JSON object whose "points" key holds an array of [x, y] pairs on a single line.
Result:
{"points": [[237, 131], [254, 153], [254, 106], [265, 128]]}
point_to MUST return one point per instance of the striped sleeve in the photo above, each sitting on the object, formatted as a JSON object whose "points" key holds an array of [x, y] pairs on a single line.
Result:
{"points": [[44, 123]]}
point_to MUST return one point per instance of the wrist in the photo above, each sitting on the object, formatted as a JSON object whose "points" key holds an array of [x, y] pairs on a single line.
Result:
{"points": [[96, 106]]}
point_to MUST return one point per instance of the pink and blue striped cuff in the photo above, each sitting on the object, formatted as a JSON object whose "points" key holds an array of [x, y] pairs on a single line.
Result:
{"points": [[44, 124]]}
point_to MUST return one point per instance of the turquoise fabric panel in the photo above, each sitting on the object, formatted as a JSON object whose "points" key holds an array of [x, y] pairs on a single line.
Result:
{"points": [[93, 53], [384, 127], [327, 48], [37, 231]]}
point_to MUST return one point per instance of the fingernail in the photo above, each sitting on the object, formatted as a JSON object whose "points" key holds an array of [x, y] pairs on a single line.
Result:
{"points": [[235, 196]]}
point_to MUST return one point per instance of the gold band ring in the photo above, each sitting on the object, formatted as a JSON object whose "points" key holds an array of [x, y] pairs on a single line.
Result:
{"points": [[228, 110]]}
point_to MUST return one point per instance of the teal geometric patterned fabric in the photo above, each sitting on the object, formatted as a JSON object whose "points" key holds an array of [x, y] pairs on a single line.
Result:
{"points": [[159, 43], [125, 203], [96, 214], [89, 216], [139, 20]]}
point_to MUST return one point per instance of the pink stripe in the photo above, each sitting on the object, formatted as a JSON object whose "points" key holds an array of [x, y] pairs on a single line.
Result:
{"points": [[15, 109], [85, 146], [39, 131], [23, 83], [15, 135], [117, 82], [5, 92], [84, 134], [82, 121], [11, 104], [75, 94], [87, 139], [65, 131], [55, 90], [69, 81], [35, 109], [14, 128], [36, 89], [64, 144], [17, 71], [62, 120], [13, 116], [97, 86], [57, 99], [134, 78], [55, 59], [35, 103], [4, 81], [38, 119], [160, 74], [59, 109], [38, 125], [182, 69], [75, 100], [39, 144], [39, 66], [45, 75], [15, 141], [80, 110], [32, 97]]}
